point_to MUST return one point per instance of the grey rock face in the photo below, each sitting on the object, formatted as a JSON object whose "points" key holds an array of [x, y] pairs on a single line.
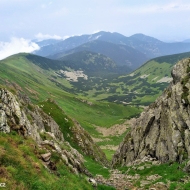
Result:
{"points": [[15, 118], [4, 127], [163, 129]]}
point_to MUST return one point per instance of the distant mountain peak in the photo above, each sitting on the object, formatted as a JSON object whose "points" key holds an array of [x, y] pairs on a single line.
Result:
{"points": [[145, 38]]}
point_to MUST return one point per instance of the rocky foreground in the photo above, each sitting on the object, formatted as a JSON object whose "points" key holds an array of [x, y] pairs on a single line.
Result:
{"points": [[18, 114]]}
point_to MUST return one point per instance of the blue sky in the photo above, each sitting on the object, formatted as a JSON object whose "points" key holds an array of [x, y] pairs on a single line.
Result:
{"points": [[167, 20]]}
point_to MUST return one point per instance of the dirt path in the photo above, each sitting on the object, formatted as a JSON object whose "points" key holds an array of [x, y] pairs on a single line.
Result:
{"points": [[117, 180], [126, 182]]}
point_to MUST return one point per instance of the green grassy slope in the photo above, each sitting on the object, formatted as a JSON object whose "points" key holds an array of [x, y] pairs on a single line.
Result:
{"points": [[144, 85], [95, 64], [40, 84], [91, 102], [21, 167]]}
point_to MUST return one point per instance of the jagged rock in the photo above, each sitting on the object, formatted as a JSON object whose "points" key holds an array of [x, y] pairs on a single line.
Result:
{"points": [[93, 182], [163, 129], [4, 127], [34, 122], [18, 120], [73, 159]]}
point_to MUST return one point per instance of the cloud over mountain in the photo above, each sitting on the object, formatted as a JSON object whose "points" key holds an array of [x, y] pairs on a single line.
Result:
{"points": [[16, 45]]}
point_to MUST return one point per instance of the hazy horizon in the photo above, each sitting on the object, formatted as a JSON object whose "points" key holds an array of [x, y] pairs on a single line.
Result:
{"points": [[25, 20]]}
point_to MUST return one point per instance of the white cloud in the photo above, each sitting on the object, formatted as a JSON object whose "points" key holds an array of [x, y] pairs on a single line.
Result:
{"points": [[41, 36], [16, 45]]}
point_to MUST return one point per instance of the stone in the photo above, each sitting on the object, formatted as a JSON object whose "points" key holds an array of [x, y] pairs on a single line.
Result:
{"points": [[155, 163], [46, 157], [141, 168], [144, 182], [93, 182], [153, 177]]}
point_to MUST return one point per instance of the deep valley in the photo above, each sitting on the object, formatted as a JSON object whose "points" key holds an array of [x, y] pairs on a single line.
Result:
{"points": [[100, 111]]}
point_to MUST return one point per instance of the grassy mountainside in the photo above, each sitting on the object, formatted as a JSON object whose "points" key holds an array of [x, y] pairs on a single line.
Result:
{"points": [[95, 97], [140, 87], [21, 167], [39, 81]]}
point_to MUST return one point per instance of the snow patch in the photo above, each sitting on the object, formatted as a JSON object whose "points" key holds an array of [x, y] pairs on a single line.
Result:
{"points": [[97, 37]]}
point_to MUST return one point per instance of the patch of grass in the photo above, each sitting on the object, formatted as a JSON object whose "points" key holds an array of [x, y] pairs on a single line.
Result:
{"points": [[65, 123], [169, 172], [95, 168], [109, 153], [104, 187], [173, 186]]}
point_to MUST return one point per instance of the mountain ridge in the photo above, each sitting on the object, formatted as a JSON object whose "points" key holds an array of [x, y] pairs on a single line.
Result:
{"points": [[149, 46]]}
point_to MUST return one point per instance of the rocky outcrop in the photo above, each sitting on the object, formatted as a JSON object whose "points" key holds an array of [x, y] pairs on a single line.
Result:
{"points": [[162, 131], [18, 114], [28, 121]]}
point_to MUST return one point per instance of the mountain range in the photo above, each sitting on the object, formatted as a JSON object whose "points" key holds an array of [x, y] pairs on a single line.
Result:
{"points": [[130, 51]]}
